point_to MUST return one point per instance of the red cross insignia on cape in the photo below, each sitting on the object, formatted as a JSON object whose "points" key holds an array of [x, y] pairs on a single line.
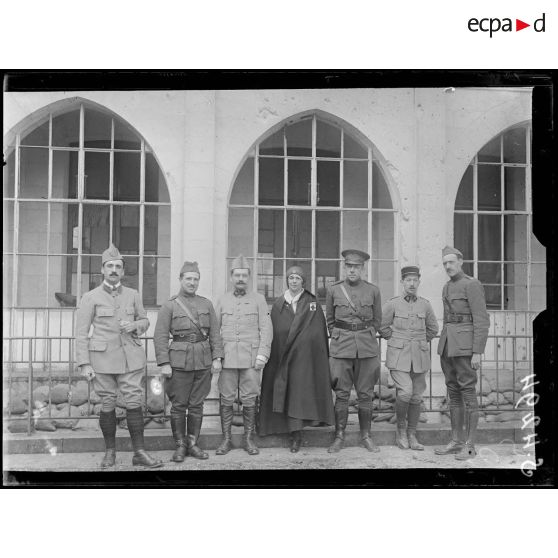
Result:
{"points": [[312, 307]]}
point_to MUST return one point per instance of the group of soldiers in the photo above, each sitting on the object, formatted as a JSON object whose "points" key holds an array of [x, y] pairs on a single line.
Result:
{"points": [[193, 340]]}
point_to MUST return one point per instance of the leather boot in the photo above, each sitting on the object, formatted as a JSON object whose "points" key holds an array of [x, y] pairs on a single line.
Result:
{"points": [[226, 425], [457, 416], [296, 440], [194, 428], [412, 422], [134, 418], [364, 420], [468, 450], [178, 426], [249, 414], [341, 416], [401, 409], [107, 423]]}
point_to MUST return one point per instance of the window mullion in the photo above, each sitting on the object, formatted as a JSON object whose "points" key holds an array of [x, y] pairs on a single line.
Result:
{"points": [[528, 202], [255, 215], [81, 191], [313, 202], [15, 264], [370, 214], [142, 218], [475, 218]]}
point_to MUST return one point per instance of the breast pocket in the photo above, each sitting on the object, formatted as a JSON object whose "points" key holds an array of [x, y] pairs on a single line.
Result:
{"points": [[180, 321], [417, 322], [401, 319], [203, 319], [460, 304], [104, 312]]}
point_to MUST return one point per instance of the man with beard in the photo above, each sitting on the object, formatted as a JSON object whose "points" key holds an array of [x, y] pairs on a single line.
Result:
{"points": [[247, 333], [113, 357]]}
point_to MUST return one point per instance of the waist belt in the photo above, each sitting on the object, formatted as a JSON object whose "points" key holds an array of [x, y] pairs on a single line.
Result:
{"points": [[189, 337], [459, 318], [353, 327]]}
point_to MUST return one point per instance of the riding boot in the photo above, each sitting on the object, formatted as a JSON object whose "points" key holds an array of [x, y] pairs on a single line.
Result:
{"points": [[249, 414], [107, 423], [178, 426], [194, 428], [364, 420], [134, 418], [401, 409], [226, 425], [413, 418], [457, 416], [341, 416], [296, 440], [468, 449]]}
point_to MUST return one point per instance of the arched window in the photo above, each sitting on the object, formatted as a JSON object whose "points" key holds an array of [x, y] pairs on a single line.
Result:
{"points": [[305, 193], [492, 224], [74, 182]]}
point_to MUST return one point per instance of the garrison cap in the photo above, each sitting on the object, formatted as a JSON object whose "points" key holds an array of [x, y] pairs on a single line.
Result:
{"points": [[355, 256], [240, 262], [409, 270], [451, 250], [189, 267], [296, 270], [111, 254]]}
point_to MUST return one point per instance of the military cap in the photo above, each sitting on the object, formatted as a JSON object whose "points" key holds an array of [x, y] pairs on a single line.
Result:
{"points": [[409, 270], [355, 256], [240, 262], [451, 250], [189, 266], [296, 270], [111, 254]]}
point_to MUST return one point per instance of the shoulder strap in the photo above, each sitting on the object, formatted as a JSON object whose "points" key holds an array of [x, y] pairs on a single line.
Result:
{"points": [[351, 303], [190, 316]]}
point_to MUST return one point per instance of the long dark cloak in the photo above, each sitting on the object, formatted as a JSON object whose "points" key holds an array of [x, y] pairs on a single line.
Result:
{"points": [[296, 386]]}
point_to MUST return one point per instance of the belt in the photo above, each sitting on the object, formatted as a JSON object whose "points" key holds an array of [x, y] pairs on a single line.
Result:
{"points": [[189, 338], [353, 327], [459, 318]]}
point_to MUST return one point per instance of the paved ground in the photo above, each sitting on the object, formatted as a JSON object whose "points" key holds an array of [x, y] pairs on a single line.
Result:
{"points": [[501, 456]]}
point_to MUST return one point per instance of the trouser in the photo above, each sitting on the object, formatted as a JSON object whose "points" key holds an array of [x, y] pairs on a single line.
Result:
{"points": [[107, 385], [409, 386], [461, 380], [360, 372], [247, 380], [187, 390]]}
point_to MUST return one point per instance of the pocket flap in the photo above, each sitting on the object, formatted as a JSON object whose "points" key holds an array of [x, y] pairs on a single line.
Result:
{"points": [[95, 345], [424, 345], [396, 343], [105, 311], [421, 315], [335, 333], [401, 314], [178, 346]]}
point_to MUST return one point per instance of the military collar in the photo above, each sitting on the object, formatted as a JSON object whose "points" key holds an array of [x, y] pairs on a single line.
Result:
{"points": [[112, 288], [410, 298], [185, 294], [239, 293], [457, 276]]}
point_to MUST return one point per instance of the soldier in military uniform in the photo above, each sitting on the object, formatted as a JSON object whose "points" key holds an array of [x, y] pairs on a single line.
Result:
{"points": [[113, 356], [247, 334], [462, 343], [195, 348], [409, 324], [353, 315]]}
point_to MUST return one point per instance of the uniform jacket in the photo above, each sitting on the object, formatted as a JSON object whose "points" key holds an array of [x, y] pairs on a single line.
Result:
{"points": [[106, 349], [185, 355], [409, 327], [464, 296], [245, 328], [367, 300]]}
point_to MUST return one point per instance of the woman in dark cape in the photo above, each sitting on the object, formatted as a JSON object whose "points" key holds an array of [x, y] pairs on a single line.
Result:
{"points": [[296, 385]]}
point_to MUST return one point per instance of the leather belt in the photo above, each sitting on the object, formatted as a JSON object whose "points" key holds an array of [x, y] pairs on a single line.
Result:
{"points": [[353, 327], [189, 338], [459, 318]]}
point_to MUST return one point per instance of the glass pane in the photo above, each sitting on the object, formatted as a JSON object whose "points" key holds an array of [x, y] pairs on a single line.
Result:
{"points": [[383, 276], [464, 199], [468, 268], [328, 183], [326, 274], [538, 287], [273, 145], [270, 233], [489, 192], [382, 236], [299, 234], [515, 238], [96, 227], [97, 175], [7, 280], [463, 234], [9, 175], [37, 136], [489, 238], [8, 226], [155, 184], [73, 175], [61, 170], [353, 149], [299, 138], [131, 272], [355, 183], [156, 280], [515, 292], [381, 198], [299, 178], [490, 153], [243, 189], [65, 129], [271, 183], [490, 274], [271, 281], [64, 235], [514, 146], [31, 284], [493, 297], [355, 230], [328, 140], [514, 188], [127, 168], [538, 251], [61, 270], [125, 228], [125, 137], [33, 218], [306, 266], [327, 234], [33, 168], [91, 275], [97, 129], [241, 231], [157, 230]]}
